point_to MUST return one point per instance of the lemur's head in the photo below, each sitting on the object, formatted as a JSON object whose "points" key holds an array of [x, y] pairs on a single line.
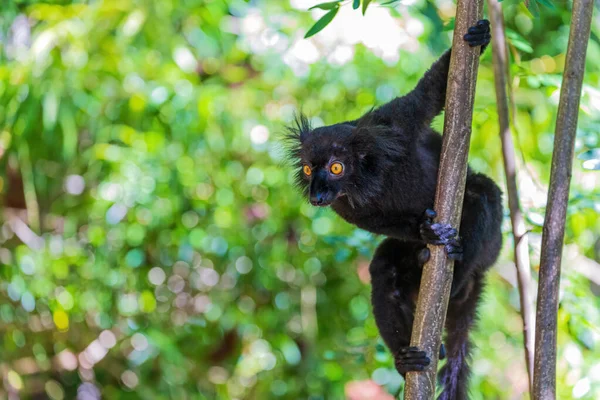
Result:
{"points": [[337, 160]]}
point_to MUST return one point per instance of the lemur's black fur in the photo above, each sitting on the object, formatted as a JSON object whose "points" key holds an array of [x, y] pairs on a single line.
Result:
{"points": [[387, 183]]}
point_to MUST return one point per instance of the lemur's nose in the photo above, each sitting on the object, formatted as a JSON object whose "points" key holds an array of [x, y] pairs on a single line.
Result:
{"points": [[317, 199]]}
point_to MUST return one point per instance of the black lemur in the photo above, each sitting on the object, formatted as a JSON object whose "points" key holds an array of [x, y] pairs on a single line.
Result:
{"points": [[379, 173]]}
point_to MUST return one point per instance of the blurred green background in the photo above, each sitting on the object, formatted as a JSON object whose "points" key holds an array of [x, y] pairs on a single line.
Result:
{"points": [[152, 244]]}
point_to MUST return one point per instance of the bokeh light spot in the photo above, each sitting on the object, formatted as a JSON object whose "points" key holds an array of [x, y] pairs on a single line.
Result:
{"points": [[61, 320]]}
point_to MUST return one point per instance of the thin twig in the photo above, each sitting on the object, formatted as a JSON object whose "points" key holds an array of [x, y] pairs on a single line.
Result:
{"points": [[521, 242]]}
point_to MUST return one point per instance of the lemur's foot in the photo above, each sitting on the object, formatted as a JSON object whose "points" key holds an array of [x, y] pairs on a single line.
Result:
{"points": [[479, 35], [411, 359], [441, 235]]}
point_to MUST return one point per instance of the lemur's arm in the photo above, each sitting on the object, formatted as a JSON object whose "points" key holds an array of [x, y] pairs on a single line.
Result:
{"points": [[420, 106]]}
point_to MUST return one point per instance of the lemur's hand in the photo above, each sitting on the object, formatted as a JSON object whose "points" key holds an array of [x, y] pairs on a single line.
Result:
{"points": [[440, 234], [409, 359], [479, 35]]}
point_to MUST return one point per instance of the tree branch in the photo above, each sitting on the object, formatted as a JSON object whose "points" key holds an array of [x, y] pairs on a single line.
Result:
{"points": [[436, 281], [521, 241], [544, 381]]}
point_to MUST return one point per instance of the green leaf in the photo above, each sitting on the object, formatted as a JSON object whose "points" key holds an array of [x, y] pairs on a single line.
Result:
{"points": [[365, 5], [534, 8], [523, 8], [518, 41], [547, 3], [356, 4], [321, 23], [327, 6], [388, 3], [522, 46]]}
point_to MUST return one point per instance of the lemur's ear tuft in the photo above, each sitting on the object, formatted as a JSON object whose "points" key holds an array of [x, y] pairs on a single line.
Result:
{"points": [[294, 135], [299, 129]]}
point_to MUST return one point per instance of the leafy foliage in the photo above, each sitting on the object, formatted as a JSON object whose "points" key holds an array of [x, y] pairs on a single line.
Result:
{"points": [[322, 22], [327, 6], [326, 19]]}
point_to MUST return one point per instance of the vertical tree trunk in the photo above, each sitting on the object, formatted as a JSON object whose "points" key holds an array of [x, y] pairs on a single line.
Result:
{"points": [[436, 281], [544, 383], [521, 242]]}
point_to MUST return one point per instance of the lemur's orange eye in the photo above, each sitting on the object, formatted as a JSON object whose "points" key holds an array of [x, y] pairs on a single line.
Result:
{"points": [[336, 168], [307, 171]]}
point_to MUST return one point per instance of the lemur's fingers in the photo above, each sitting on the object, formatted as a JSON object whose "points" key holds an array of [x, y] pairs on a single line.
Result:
{"points": [[411, 359], [477, 29], [454, 255], [479, 34], [437, 233], [454, 249], [430, 214], [482, 26], [478, 40], [427, 233], [444, 231]]}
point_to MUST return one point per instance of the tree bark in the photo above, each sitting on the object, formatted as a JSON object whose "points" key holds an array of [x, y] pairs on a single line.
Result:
{"points": [[544, 381], [521, 242], [436, 281]]}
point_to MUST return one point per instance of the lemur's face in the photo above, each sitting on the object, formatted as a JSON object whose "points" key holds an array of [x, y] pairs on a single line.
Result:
{"points": [[325, 163], [325, 181]]}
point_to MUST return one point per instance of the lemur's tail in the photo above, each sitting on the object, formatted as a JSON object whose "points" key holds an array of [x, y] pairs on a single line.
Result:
{"points": [[454, 375]]}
